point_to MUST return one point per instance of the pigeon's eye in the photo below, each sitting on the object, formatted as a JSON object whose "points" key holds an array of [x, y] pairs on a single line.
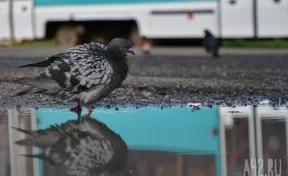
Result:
{"points": [[124, 45]]}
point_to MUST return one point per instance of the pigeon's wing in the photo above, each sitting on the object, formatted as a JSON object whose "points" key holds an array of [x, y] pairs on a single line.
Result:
{"points": [[205, 43], [81, 152], [52, 60], [83, 147], [83, 67], [52, 129], [52, 76], [89, 66], [209, 42], [80, 68], [215, 50], [42, 141], [46, 137]]}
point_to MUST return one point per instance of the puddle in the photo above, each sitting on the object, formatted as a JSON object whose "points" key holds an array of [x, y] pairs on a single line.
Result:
{"points": [[172, 141]]}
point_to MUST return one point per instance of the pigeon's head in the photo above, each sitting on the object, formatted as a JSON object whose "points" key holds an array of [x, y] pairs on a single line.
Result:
{"points": [[207, 32], [120, 46]]}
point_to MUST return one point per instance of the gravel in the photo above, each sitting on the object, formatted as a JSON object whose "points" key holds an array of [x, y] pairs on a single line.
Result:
{"points": [[164, 81]]}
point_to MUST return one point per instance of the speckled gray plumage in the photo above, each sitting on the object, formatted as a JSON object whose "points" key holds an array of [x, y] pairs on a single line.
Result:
{"points": [[85, 148], [85, 73]]}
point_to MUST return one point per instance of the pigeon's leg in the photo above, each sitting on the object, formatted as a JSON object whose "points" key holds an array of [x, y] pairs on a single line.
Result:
{"points": [[90, 110], [77, 109]]}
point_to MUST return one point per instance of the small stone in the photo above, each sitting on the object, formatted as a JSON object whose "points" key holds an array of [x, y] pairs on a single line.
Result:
{"points": [[146, 94]]}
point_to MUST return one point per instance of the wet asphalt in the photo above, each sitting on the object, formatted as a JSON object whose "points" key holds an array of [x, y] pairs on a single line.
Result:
{"points": [[234, 79]]}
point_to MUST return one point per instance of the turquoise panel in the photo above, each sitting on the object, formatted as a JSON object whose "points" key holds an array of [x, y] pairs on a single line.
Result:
{"points": [[89, 2], [171, 129]]}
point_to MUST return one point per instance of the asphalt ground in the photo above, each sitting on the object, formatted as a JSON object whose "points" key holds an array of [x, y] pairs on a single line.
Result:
{"points": [[172, 76]]}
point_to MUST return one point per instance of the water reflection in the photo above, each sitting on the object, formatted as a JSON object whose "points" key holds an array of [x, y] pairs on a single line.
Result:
{"points": [[160, 163], [85, 147], [159, 142], [256, 135], [168, 142], [4, 146], [25, 119], [237, 145]]}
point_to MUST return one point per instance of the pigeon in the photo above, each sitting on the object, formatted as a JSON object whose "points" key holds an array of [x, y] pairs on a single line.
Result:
{"points": [[146, 47], [211, 44], [84, 74], [85, 147]]}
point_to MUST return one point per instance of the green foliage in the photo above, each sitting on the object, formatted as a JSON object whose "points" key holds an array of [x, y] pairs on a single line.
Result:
{"points": [[255, 43]]}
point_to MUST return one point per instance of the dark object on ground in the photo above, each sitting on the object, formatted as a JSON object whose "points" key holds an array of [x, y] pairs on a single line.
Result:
{"points": [[146, 47], [211, 44], [86, 148], [86, 73]]}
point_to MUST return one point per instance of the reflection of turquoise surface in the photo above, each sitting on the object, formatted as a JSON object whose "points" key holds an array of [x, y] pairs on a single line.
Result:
{"points": [[89, 2], [173, 129]]}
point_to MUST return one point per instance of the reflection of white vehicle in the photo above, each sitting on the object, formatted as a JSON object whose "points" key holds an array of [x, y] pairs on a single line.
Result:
{"points": [[30, 19], [251, 132]]}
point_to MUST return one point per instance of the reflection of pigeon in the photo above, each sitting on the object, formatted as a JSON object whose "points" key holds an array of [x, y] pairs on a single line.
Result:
{"points": [[211, 44], [85, 73], [86, 148]]}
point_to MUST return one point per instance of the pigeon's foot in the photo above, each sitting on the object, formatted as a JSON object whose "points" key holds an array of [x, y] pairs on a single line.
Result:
{"points": [[90, 110], [77, 110]]}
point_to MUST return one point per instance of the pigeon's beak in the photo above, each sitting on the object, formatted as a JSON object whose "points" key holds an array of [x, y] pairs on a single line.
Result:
{"points": [[131, 51]]}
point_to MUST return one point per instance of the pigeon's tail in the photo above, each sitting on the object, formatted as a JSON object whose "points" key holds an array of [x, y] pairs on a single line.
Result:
{"points": [[28, 91], [40, 156], [41, 141], [53, 59], [59, 93], [38, 64], [36, 142], [30, 133], [39, 82], [41, 85]]}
